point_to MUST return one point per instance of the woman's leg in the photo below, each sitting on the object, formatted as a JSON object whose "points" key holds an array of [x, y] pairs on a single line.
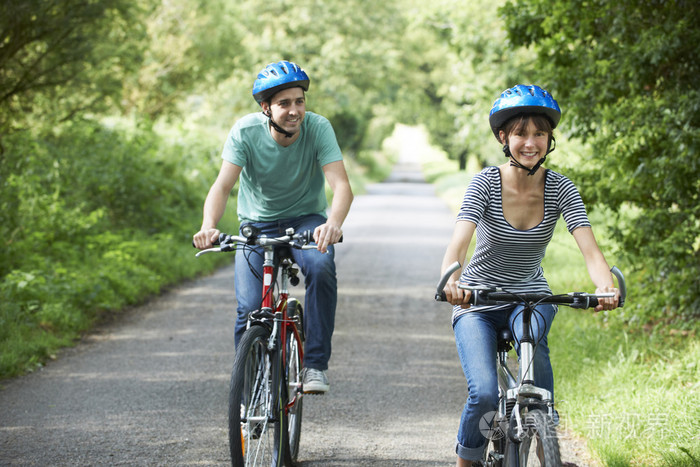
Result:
{"points": [[476, 337]]}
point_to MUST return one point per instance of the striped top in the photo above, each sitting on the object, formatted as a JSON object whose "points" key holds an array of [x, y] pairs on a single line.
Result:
{"points": [[505, 256]]}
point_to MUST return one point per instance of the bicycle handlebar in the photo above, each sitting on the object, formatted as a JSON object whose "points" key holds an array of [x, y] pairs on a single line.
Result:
{"points": [[484, 295], [301, 240]]}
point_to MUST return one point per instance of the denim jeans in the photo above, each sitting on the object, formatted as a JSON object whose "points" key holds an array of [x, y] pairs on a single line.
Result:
{"points": [[320, 280], [476, 337]]}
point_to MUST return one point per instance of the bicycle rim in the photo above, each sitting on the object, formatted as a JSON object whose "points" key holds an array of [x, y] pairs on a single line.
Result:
{"points": [[255, 437]]}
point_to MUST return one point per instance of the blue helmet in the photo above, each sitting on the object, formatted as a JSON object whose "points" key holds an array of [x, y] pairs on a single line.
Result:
{"points": [[276, 77], [522, 99]]}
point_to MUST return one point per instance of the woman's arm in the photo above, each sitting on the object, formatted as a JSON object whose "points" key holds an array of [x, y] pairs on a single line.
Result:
{"points": [[457, 251], [598, 268]]}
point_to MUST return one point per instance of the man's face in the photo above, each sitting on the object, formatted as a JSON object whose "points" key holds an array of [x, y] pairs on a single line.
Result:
{"points": [[287, 108]]}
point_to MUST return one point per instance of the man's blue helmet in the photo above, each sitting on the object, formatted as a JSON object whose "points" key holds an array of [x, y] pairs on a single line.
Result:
{"points": [[523, 99], [276, 77]]}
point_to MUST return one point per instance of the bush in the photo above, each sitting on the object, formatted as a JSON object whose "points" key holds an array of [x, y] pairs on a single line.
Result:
{"points": [[93, 220]]}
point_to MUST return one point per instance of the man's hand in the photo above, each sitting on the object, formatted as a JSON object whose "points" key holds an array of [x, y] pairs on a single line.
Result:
{"points": [[326, 234], [205, 238]]}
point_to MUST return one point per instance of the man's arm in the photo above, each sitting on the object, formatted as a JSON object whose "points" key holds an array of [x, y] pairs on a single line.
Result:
{"points": [[215, 204], [330, 232]]}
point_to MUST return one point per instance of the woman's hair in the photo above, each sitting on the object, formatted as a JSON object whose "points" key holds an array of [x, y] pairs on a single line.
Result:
{"points": [[520, 122]]}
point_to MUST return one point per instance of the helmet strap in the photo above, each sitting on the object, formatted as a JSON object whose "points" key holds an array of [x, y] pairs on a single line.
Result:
{"points": [[278, 128], [514, 163]]}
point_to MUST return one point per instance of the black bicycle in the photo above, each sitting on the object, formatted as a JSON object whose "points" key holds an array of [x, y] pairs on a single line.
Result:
{"points": [[265, 397], [522, 432]]}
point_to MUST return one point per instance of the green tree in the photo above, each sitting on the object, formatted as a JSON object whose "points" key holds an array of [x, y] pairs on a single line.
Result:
{"points": [[468, 62], [625, 74], [61, 58], [353, 54]]}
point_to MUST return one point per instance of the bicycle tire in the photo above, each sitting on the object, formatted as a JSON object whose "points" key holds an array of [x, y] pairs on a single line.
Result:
{"points": [[540, 446], [293, 375], [255, 390]]}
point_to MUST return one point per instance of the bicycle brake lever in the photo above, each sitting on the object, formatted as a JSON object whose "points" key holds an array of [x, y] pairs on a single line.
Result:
{"points": [[439, 293], [621, 285]]}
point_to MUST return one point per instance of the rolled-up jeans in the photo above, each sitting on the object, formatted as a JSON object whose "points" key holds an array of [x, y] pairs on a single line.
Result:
{"points": [[320, 280], [476, 335]]}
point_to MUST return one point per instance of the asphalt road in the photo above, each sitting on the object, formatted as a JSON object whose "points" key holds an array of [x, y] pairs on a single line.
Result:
{"points": [[150, 389]]}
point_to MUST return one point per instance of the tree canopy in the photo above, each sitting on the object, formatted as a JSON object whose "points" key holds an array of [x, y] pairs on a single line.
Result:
{"points": [[625, 74]]}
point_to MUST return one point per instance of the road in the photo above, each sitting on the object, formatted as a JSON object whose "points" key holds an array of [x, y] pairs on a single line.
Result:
{"points": [[150, 389]]}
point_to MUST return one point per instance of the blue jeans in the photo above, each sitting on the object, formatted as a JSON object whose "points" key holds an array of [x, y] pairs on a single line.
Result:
{"points": [[476, 337], [320, 279]]}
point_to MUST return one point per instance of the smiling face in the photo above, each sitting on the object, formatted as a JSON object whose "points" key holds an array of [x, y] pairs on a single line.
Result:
{"points": [[528, 139], [287, 109]]}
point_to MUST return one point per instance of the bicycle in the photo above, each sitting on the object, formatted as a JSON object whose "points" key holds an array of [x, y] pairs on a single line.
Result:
{"points": [[525, 411], [266, 393]]}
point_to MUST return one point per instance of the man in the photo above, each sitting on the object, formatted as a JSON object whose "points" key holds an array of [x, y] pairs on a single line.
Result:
{"points": [[283, 156]]}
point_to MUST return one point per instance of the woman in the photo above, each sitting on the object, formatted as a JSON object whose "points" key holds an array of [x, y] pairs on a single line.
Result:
{"points": [[513, 208]]}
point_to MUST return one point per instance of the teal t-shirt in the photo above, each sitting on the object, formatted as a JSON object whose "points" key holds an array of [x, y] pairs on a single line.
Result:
{"points": [[280, 182]]}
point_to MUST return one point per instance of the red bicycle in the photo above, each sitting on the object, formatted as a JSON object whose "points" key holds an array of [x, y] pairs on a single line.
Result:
{"points": [[266, 394]]}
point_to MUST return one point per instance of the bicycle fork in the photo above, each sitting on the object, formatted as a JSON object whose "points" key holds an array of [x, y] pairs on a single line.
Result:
{"points": [[520, 393]]}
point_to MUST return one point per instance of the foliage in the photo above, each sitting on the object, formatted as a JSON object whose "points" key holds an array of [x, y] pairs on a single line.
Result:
{"points": [[352, 59], [470, 63], [624, 73], [92, 219], [635, 400], [64, 57]]}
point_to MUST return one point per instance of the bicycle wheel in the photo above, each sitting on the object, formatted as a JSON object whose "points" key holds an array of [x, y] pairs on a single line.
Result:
{"points": [[257, 435], [294, 374], [540, 446]]}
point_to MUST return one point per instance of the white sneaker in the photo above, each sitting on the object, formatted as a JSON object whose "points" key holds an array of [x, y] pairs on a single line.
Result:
{"points": [[315, 381]]}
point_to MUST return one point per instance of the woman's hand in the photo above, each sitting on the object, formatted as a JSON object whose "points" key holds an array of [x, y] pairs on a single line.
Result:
{"points": [[457, 296], [607, 303]]}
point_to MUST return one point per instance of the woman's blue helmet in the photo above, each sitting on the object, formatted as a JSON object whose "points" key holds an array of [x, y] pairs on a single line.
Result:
{"points": [[276, 77], [523, 99]]}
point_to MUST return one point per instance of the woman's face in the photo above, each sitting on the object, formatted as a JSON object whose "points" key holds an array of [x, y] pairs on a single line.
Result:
{"points": [[528, 144]]}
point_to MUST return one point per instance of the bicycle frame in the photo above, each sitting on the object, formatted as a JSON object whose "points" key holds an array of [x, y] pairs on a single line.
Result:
{"points": [[276, 330], [280, 308], [521, 392], [525, 411]]}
